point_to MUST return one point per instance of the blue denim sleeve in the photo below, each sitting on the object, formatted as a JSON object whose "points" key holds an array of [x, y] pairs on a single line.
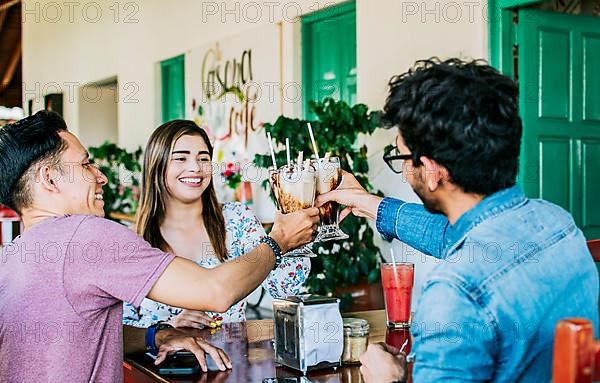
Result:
{"points": [[452, 341], [413, 225]]}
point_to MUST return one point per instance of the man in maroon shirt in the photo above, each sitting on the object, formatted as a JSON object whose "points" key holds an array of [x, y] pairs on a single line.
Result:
{"points": [[63, 281]]}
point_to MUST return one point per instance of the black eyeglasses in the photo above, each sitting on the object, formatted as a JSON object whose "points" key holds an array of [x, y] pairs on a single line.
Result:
{"points": [[394, 159]]}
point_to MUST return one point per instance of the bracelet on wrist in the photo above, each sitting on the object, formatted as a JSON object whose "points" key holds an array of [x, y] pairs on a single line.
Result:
{"points": [[276, 250], [151, 336]]}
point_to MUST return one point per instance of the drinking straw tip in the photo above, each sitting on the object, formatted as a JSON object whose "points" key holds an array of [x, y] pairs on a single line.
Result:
{"points": [[312, 139], [393, 257], [272, 150]]}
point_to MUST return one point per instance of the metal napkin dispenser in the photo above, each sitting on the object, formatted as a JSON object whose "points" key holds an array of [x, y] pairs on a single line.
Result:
{"points": [[309, 332]]}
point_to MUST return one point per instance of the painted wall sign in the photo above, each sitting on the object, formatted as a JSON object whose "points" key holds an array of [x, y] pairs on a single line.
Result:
{"points": [[232, 89]]}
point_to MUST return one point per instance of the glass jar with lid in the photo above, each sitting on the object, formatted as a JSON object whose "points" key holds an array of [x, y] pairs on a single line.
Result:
{"points": [[356, 335]]}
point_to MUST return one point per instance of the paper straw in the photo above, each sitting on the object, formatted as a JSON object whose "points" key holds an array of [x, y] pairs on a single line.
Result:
{"points": [[393, 258], [312, 139], [287, 149], [404, 345], [272, 150]]}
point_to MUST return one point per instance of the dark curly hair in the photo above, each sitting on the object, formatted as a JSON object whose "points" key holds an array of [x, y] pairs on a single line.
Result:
{"points": [[462, 114]]}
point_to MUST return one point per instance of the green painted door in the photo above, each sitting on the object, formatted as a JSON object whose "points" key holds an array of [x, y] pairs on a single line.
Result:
{"points": [[172, 73], [329, 54], [559, 81]]}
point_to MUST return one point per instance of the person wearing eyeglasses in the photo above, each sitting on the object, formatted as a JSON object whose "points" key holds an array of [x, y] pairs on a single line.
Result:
{"points": [[511, 268], [63, 281]]}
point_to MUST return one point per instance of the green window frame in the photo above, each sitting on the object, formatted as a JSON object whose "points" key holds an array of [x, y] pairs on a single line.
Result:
{"points": [[329, 55], [172, 75]]}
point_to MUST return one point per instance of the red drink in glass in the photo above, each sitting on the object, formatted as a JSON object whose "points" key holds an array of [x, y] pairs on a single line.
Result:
{"points": [[399, 337], [397, 280]]}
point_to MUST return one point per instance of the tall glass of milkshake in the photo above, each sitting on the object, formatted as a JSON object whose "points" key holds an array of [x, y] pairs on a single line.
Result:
{"points": [[274, 185], [329, 176], [294, 188]]}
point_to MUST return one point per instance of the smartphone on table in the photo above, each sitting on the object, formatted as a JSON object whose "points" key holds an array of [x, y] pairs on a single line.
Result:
{"points": [[183, 363]]}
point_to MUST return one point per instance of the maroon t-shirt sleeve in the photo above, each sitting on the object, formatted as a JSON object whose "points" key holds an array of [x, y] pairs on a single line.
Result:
{"points": [[107, 263]]}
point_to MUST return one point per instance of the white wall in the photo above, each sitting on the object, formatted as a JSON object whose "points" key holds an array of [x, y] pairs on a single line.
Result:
{"points": [[391, 35], [64, 50]]}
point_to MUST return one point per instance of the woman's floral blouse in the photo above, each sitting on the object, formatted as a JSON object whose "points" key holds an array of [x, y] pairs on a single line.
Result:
{"points": [[244, 232]]}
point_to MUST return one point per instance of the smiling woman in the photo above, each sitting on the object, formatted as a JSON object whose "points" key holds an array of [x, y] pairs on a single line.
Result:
{"points": [[177, 168], [189, 173], [179, 213]]}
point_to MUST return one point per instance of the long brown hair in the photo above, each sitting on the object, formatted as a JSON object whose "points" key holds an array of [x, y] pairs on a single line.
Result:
{"points": [[151, 210]]}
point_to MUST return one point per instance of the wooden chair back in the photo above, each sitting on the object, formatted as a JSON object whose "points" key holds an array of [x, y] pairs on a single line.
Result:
{"points": [[576, 353]]}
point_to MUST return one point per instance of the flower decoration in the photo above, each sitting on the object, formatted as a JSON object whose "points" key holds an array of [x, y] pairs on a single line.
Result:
{"points": [[232, 176]]}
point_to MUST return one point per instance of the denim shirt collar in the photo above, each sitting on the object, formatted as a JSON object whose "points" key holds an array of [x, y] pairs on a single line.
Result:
{"points": [[489, 207]]}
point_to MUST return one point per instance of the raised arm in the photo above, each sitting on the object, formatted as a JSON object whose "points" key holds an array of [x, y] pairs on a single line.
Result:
{"points": [[407, 222], [412, 224], [185, 284]]}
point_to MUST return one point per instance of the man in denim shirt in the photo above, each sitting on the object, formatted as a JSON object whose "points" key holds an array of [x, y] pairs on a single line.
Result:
{"points": [[513, 267]]}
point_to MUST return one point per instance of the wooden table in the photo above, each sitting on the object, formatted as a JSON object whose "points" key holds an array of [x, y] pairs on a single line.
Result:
{"points": [[250, 346]]}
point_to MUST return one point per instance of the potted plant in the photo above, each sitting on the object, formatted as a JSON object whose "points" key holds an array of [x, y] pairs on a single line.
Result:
{"points": [[341, 266], [122, 168]]}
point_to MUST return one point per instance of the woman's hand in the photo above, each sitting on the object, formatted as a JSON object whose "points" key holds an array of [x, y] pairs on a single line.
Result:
{"points": [[192, 318]]}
